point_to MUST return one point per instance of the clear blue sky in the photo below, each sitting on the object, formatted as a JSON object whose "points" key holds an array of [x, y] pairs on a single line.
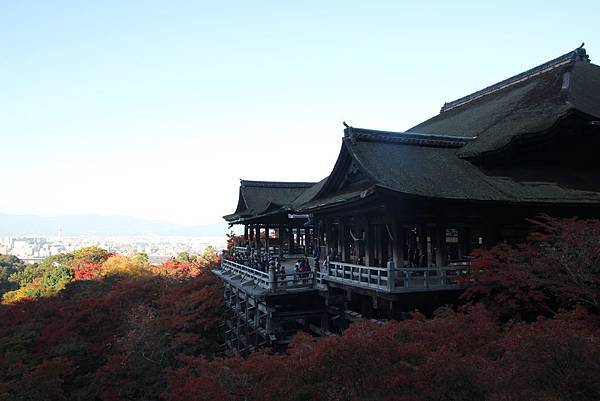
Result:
{"points": [[155, 109]]}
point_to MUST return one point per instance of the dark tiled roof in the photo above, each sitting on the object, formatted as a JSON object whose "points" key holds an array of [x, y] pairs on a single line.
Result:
{"points": [[531, 102], [578, 54], [261, 197], [275, 184], [307, 195], [409, 138], [435, 172], [437, 158]]}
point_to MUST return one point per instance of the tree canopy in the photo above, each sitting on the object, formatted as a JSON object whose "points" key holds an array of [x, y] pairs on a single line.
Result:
{"points": [[96, 326]]}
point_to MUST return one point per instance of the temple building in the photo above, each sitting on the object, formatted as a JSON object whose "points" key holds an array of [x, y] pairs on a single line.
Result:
{"points": [[393, 226], [266, 206]]}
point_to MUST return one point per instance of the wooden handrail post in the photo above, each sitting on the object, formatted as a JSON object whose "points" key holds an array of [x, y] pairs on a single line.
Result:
{"points": [[391, 275], [272, 278]]}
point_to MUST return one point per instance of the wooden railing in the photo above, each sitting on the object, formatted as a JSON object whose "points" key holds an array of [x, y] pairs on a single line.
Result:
{"points": [[369, 277], [270, 280], [391, 279], [362, 276], [259, 277], [428, 277]]}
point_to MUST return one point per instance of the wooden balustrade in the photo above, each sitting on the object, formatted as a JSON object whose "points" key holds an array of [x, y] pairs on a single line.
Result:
{"points": [[362, 276], [271, 280], [377, 278], [259, 277], [391, 279]]}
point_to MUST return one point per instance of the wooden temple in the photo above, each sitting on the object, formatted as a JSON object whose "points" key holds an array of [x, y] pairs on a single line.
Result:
{"points": [[393, 226], [267, 207]]}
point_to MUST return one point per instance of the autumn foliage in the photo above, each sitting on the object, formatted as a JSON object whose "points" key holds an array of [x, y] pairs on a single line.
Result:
{"points": [[558, 268], [465, 355], [120, 329], [111, 332]]}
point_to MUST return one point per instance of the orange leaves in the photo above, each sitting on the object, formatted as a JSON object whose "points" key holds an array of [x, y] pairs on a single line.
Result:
{"points": [[84, 269], [177, 269], [123, 266]]}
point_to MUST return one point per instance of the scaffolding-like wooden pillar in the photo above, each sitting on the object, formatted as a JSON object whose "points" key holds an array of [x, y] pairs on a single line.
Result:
{"points": [[398, 243], [441, 250]]}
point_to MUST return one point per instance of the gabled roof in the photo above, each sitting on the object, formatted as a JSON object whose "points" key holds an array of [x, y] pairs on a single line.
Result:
{"points": [[530, 102], [431, 167], [262, 197]]}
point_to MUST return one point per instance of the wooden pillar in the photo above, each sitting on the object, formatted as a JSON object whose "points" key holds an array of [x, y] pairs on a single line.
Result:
{"points": [[384, 247], [280, 232], [398, 244], [342, 239], [368, 244], [464, 242], [422, 234], [376, 244], [491, 235], [441, 251], [307, 241], [257, 237], [329, 244], [430, 245], [267, 238], [245, 234], [290, 239]]}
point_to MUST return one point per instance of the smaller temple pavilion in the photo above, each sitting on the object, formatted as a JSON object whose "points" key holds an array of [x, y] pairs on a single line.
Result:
{"points": [[267, 207]]}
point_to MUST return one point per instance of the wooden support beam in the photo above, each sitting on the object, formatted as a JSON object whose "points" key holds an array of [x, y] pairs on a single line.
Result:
{"points": [[491, 235], [267, 229], [398, 244], [464, 242], [328, 237], [257, 237], [422, 246], [290, 238], [368, 244], [342, 241], [441, 250], [280, 237]]}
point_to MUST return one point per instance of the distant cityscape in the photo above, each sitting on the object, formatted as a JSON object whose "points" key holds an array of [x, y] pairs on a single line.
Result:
{"points": [[158, 248]]}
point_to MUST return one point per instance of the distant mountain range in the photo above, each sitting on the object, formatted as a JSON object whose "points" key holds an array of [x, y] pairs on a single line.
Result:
{"points": [[11, 224]]}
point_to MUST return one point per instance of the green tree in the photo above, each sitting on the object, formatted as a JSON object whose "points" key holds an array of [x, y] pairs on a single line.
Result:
{"points": [[9, 265], [183, 257], [55, 279], [141, 257], [92, 253]]}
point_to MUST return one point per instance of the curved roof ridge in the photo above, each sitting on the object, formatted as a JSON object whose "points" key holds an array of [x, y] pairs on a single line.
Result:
{"points": [[571, 57], [276, 184], [411, 138]]}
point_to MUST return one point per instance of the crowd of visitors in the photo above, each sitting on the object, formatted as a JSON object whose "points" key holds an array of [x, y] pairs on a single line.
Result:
{"points": [[264, 261]]}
